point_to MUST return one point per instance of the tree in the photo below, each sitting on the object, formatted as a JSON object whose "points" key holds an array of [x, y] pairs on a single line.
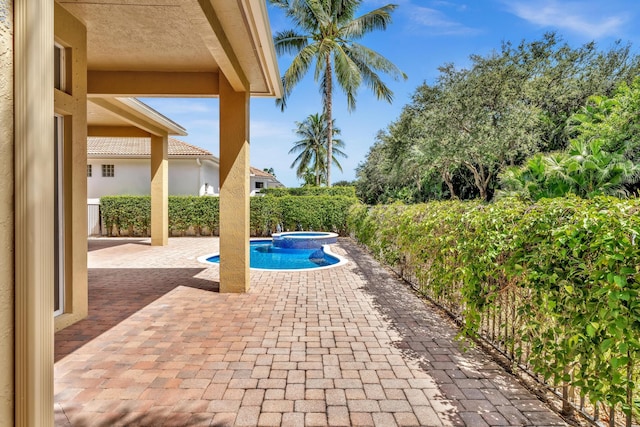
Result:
{"points": [[312, 148], [602, 157], [326, 32], [270, 171], [460, 132]]}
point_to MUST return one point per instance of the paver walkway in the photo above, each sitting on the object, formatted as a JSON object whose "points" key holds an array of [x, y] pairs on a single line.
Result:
{"points": [[350, 345]]}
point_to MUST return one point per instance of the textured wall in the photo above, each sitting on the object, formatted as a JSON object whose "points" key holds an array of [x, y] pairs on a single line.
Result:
{"points": [[6, 212]]}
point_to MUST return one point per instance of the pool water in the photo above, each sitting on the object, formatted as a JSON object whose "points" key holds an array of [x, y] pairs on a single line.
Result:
{"points": [[263, 255]]}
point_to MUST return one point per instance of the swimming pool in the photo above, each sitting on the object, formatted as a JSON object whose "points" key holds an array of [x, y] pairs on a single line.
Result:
{"points": [[263, 255]]}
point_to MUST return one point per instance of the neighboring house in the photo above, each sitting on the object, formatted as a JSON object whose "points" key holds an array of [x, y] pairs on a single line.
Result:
{"points": [[261, 179], [120, 166]]}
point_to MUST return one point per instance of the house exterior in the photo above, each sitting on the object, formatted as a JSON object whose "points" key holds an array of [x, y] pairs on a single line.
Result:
{"points": [[261, 179], [120, 166], [72, 70]]}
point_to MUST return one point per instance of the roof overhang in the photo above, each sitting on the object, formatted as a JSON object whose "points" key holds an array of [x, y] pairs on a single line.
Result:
{"points": [[127, 117], [177, 47]]}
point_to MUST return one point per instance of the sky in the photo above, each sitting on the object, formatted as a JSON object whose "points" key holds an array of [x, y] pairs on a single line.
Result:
{"points": [[424, 35]]}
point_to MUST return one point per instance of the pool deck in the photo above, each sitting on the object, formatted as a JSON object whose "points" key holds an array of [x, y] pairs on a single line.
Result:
{"points": [[350, 345]]}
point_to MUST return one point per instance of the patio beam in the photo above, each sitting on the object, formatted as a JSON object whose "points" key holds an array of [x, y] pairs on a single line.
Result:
{"points": [[118, 131], [221, 49], [151, 83], [129, 116], [234, 188]]}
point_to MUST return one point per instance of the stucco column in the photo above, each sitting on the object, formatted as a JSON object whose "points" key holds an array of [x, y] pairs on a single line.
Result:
{"points": [[34, 208], [159, 190], [234, 189], [6, 212]]}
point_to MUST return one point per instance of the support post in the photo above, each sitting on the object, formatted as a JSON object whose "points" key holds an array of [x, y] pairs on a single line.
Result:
{"points": [[159, 190], [234, 188]]}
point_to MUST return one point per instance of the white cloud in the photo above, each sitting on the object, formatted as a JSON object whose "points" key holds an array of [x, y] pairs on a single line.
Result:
{"points": [[573, 16], [435, 22]]}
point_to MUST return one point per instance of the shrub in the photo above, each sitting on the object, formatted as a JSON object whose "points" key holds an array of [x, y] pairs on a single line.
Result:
{"points": [[565, 271], [200, 215], [310, 191]]}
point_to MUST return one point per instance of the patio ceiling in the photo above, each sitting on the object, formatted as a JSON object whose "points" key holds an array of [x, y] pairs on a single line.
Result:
{"points": [[177, 47]]}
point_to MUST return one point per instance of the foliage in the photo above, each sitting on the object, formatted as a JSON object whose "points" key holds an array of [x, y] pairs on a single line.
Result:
{"points": [[126, 212], [571, 267], [310, 191], [458, 134], [133, 213], [312, 149], [324, 209], [602, 158], [327, 33], [344, 183]]}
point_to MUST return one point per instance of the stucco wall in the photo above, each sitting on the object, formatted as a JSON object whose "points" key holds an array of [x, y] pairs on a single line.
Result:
{"points": [[210, 176], [184, 177], [133, 176], [6, 212]]}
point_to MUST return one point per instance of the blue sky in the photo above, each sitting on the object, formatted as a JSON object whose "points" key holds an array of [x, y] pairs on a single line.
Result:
{"points": [[424, 35]]}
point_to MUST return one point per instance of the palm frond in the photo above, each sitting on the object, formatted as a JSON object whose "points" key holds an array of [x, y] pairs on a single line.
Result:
{"points": [[289, 42], [377, 19], [374, 60], [374, 83]]}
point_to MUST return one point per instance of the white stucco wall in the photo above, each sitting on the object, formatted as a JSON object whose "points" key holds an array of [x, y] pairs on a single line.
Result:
{"points": [[133, 177], [184, 177]]}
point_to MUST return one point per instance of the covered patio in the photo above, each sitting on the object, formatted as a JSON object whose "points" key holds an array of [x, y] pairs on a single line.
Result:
{"points": [[69, 65], [351, 345]]}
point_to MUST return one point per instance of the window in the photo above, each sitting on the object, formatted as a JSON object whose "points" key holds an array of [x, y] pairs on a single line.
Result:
{"points": [[108, 171], [59, 260], [59, 67], [89, 171], [259, 184]]}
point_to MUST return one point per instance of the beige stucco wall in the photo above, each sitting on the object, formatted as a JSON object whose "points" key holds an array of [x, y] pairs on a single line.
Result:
{"points": [[6, 212], [72, 104]]}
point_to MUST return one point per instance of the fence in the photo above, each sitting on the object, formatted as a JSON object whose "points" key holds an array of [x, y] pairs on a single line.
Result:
{"points": [[552, 287], [498, 330], [94, 227]]}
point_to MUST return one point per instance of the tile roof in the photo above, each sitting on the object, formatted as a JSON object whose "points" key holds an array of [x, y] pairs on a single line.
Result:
{"points": [[139, 147], [259, 172]]}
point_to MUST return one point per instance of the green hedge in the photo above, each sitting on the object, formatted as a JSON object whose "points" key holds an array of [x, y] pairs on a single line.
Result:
{"points": [[310, 191], [568, 270], [191, 215]]}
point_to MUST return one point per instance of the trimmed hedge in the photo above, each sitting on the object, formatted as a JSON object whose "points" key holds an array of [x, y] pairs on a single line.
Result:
{"points": [[192, 215], [565, 271], [310, 191]]}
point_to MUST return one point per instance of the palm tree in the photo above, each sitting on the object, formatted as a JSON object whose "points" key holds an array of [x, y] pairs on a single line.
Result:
{"points": [[312, 148], [328, 31]]}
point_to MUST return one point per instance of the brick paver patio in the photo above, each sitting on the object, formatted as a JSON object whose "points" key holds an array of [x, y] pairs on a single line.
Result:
{"points": [[350, 345]]}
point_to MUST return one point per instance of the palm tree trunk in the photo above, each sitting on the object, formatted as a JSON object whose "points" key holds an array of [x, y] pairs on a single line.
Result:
{"points": [[328, 112]]}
